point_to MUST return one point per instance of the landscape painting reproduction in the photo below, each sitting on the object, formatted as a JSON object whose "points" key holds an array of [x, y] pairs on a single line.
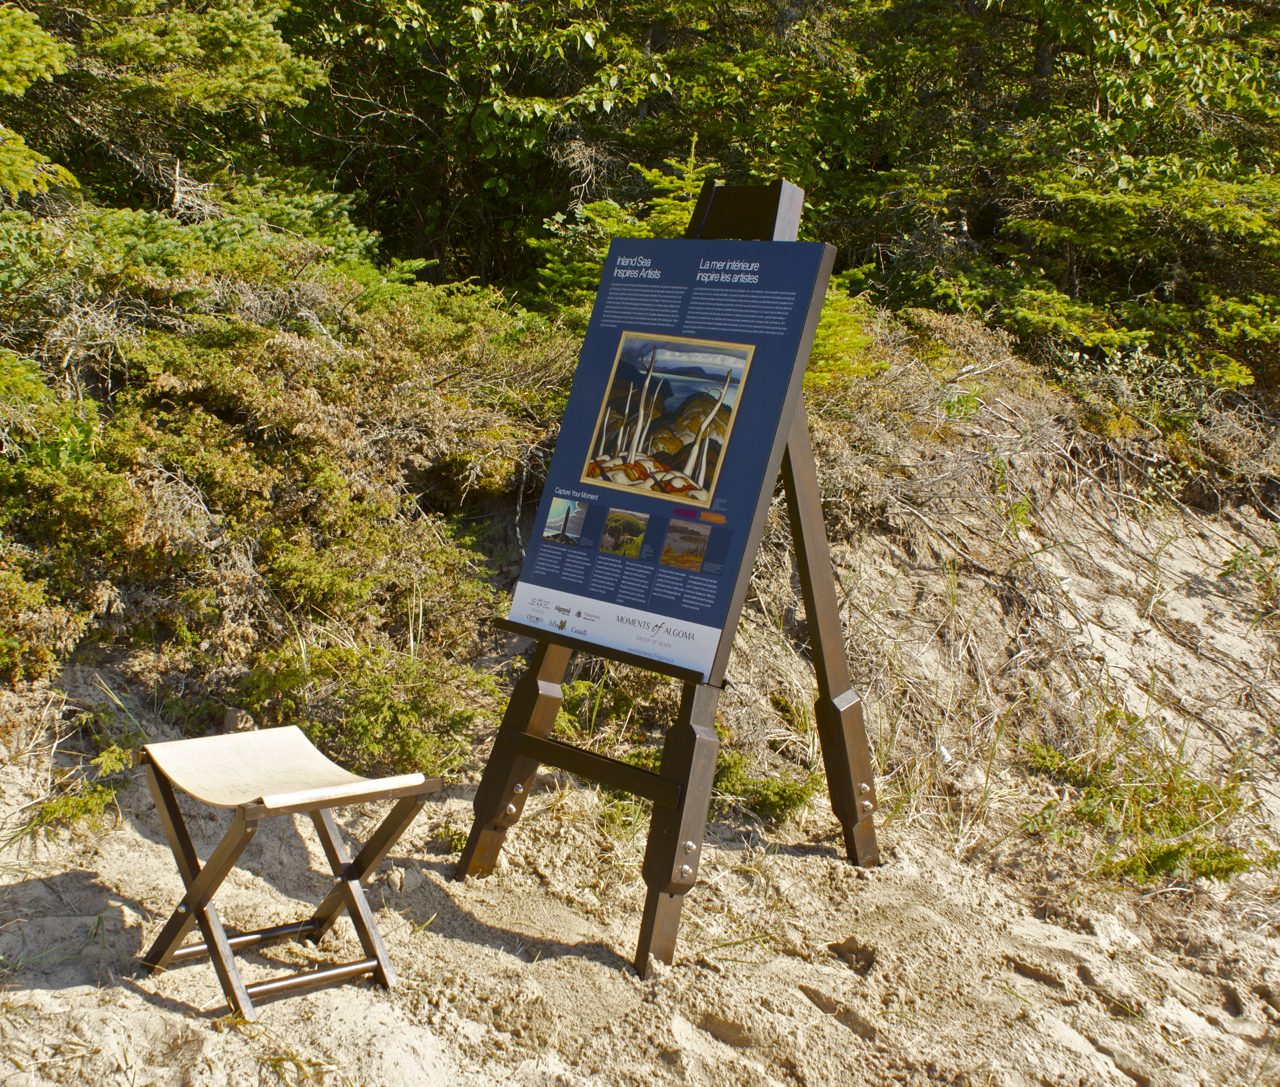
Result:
{"points": [[564, 525], [667, 415], [623, 533], [685, 546]]}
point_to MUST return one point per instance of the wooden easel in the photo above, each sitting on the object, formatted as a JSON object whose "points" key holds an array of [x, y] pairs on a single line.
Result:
{"points": [[681, 789]]}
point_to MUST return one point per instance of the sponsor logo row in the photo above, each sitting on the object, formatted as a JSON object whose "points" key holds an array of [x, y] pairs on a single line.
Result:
{"points": [[653, 627]]}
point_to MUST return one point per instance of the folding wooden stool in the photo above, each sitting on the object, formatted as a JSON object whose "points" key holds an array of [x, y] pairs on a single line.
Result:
{"points": [[273, 772]]}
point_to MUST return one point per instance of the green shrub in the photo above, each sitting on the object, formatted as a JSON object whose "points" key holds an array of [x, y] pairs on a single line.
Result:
{"points": [[372, 708], [773, 798], [841, 346], [1154, 814], [258, 461], [576, 242]]}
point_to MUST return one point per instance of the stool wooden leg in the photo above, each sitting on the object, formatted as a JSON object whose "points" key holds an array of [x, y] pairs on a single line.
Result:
{"points": [[224, 964], [352, 894], [675, 834], [174, 828], [508, 777], [375, 849], [202, 883], [201, 890]]}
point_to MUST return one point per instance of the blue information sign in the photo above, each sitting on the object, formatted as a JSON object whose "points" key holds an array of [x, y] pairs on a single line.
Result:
{"points": [[662, 463]]}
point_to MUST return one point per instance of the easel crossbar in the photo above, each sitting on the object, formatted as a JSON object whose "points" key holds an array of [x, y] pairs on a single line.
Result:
{"points": [[611, 773]]}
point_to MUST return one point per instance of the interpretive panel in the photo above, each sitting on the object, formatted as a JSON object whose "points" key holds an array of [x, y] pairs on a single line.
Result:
{"points": [[663, 452]]}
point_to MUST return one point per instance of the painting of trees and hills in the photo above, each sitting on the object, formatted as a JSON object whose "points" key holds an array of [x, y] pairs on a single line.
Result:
{"points": [[667, 415], [623, 533]]}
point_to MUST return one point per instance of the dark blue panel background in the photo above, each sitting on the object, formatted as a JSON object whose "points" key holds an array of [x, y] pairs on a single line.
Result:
{"points": [[783, 267]]}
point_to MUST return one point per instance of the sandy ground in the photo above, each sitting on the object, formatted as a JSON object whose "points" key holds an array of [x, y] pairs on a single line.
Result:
{"points": [[949, 963], [795, 967]]}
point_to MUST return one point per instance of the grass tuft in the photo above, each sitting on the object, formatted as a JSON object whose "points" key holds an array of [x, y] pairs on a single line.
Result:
{"points": [[1154, 814]]}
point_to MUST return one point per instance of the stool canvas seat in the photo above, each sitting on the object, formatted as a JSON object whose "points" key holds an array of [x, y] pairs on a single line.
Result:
{"points": [[260, 774]]}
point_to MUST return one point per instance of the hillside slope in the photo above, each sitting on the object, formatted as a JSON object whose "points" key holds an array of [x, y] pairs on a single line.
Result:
{"points": [[1062, 626]]}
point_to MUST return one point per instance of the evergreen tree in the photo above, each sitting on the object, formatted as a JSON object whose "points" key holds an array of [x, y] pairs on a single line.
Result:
{"points": [[122, 92], [27, 55]]}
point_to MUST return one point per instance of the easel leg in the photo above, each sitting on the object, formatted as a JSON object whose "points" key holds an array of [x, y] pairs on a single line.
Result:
{"points": [[837, 713], [850, 782], [659, 927], [535, 701], [675, 834]]}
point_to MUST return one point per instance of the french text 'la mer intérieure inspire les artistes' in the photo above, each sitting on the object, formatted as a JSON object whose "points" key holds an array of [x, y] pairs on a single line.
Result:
{"points": [[709, 271]]}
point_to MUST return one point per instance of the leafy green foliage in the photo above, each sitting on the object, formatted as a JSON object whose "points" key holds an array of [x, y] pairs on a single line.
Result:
{"points": [[207, 57], [574, 251], [576, 244], [1080, 170], [1096, 174], [1098, 177], [87, 804], [452, 839], [38, 430], [774, 798], [27, 54], [373, 708], [840, 348], [458, 120], [116, 94]]}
